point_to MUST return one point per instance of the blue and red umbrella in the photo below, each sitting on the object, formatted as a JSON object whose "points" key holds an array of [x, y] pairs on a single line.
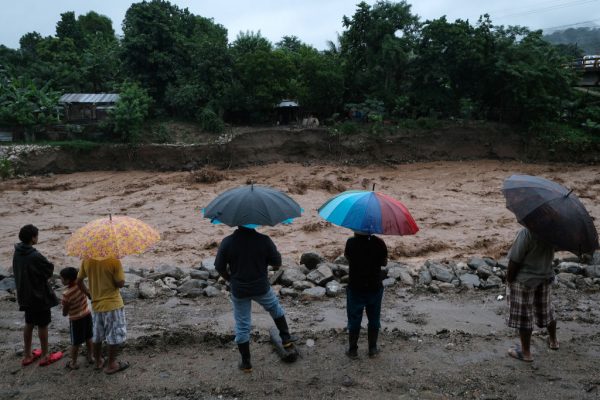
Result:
{"points": [[369, 212]]}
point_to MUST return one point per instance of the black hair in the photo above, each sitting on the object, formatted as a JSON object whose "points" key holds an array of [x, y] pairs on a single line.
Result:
{"points": [[69, 274], [27, 233]]}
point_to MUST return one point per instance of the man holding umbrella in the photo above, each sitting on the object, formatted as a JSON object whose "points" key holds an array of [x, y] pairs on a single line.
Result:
{"points": [[244, 256]]}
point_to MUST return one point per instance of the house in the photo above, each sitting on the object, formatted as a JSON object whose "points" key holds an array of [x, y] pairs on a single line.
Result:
{"points": [[287, 112], [88, 107]]}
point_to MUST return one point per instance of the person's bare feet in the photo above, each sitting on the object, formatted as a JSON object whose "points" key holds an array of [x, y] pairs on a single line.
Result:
{"points": [[553, 344], [116, 367], [519, 355], [99, 363]]}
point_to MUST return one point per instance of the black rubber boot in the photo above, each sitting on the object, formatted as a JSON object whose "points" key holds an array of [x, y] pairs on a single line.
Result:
{"points": [[245, 364], [352, 351], [372, 337], [284, 332]]}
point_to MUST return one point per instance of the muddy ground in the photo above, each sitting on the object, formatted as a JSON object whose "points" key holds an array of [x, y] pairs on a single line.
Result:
{"points": [[435, 346]]}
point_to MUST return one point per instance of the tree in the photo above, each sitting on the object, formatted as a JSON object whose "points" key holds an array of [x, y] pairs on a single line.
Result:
{"points": [[68, 28], [130, 113]]}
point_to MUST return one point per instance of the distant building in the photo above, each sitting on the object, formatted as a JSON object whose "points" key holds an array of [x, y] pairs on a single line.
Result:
{"points": [[83, 107], [287, 112]]}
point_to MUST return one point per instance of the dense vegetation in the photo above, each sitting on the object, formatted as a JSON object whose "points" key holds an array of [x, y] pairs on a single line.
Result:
{"points": [[585, 40], [387, 64]]}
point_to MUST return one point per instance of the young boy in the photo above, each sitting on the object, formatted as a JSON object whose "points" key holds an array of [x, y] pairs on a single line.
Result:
{"points": [[34, 295], [74, 304]]}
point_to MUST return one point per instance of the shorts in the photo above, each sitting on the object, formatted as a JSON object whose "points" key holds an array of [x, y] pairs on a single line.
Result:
{"points": [[82, 329], [38, 318], [527, 303], [110, 326]]}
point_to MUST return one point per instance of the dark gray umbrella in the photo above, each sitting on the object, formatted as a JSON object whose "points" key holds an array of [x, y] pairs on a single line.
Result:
{"points": [[552, 212], [252, 205]]}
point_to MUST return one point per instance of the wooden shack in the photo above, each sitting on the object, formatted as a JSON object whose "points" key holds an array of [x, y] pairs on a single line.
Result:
{"points": [[87, 107]]}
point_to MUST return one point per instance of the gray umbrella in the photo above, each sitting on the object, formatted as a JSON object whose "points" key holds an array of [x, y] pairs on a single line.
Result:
{"points": [[252, 205], [552, 212]]}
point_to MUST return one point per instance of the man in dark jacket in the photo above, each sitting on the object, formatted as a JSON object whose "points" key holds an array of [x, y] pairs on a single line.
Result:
{"points": [[248, 254], [34, 294], [366, 255]]}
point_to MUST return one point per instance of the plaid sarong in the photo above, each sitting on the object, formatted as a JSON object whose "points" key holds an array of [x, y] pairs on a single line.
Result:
{"points": [[110, 326], [524, 303]]}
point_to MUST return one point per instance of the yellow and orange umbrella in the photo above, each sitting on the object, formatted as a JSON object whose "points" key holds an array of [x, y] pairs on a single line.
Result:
{"points": [[111, 237]]}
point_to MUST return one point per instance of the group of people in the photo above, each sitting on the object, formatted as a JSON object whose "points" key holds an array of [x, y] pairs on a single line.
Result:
{"points": [[243, 259]]}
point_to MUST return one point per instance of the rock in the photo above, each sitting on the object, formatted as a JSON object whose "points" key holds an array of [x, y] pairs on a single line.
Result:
{"points": [[199, 274], [170, 270], [342, 270], [287, 292], [193, 293], [387, 282], [129, 294], [333, 288], [5, 295], [462, 266], [565, 277], [317, 292], [321, 275], [591, 271], [476, 262], [186, 287], [291, 275], [441, 273], [345, 279], [406, 279], [342, 260], [132, 279], [596, 258], [484, 271], [434, 287], [502, 263], [470, 280], [275, 277], [8, 284], [211, 291], [570, 267], [425, 277], [208, 264], [445, 286], [147, 290], [491, 282], [170, 282], [311, 260], [301, 285], [396, 271]]}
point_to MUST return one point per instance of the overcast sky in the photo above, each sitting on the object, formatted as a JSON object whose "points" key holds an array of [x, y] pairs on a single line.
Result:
{"points": [[313, 21]]}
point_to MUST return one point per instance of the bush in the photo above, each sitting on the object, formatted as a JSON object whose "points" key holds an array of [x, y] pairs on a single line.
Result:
{"points": [[161, 134], [130, 112], [6, 168], [210, 121]]}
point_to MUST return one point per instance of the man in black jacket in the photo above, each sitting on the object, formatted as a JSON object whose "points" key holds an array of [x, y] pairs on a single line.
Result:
{"points": [[366, 255], [34, 294], [248, 255]]}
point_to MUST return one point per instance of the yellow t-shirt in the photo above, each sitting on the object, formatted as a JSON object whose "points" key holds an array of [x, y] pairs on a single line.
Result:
{"points": [[102, 275]]}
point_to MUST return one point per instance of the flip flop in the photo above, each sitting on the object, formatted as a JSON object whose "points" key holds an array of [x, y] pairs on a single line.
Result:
{"points": [[518, 354], [123, 365], [555, 347], [35, 354], [52, 358]]}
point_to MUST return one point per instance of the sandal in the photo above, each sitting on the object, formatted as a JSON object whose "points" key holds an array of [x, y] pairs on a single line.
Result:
{"points": [[518, 354], [52, 358], [123, 365], [35, 354]]}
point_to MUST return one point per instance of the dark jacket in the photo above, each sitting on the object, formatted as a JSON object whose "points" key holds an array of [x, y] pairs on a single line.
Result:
{"points": [[248, 254], [366, 255], [32, 271]]}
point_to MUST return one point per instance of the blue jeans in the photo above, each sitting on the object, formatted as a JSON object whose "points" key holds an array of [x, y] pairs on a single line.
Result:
{"points": [[356, 302], [242, 312]]}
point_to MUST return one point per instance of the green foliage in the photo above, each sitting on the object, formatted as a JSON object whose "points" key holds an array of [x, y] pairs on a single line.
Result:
{"points": [[210, 121], [161, 135], [586, 39], [6, 168], [563, 136], [130, 113]]}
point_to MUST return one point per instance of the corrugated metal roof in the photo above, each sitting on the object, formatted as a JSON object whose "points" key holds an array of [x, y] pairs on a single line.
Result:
{"points": [[288, 103], [89, 98]]}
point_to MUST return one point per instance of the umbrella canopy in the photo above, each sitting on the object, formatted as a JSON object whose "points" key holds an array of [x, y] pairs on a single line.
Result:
{"points": [[369, 212], [552, 212], [111, 237], [252, 206]]}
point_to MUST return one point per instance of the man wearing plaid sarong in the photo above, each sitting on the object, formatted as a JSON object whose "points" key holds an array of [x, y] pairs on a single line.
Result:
{"points": [[529, 281]]}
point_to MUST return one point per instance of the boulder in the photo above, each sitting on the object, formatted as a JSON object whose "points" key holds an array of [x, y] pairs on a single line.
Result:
{"points": [[132, 279], [317, 292], [484, 271], [287, 292], [570, 268], [396, 271], [502, 263], [199, 274], [425, 277], [273, 279], [211, 291], [333, 288], [476, 262], [170, 270], [129, 294], [170, 282], [342, 270], [8, 284], [311, 260], [193, 293], [387, 282], [301, 285], [470, 281], [492, 282], [445, 286], [441, 273], [341, 260], [592, 271], [406, 279], [596, 258], [565, 277], [188, 286], [5, 295], [147, 290], [321, 275], [208, 264], [291, 275]]}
